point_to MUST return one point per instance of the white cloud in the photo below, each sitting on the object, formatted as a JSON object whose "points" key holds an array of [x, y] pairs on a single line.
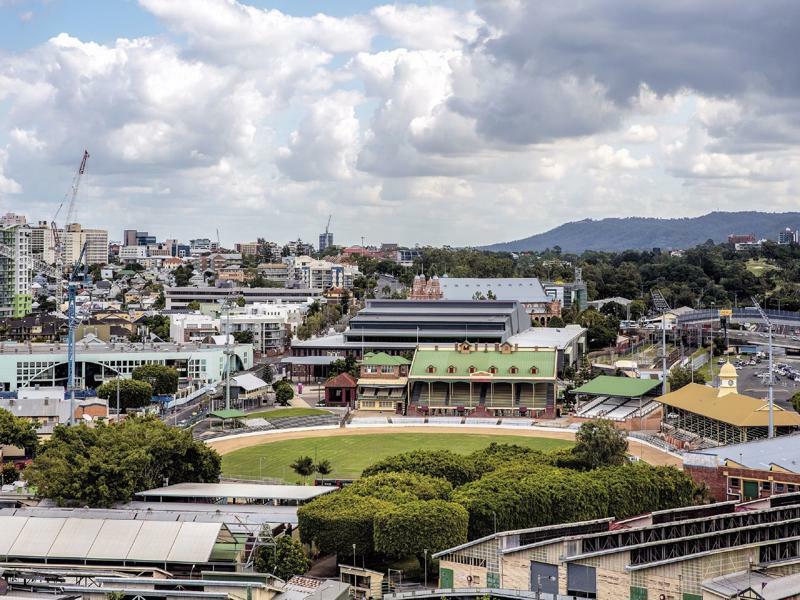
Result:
{"points": [[638, 134], [7, 185], [427, 27], [606, 157]]}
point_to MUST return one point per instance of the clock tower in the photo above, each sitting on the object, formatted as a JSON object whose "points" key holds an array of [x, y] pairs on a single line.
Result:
{"points": [[727, 380]]}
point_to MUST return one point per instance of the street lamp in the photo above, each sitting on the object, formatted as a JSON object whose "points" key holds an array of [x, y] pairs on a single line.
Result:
{"points": [[771, 429], [425, 553], [354, 555]]}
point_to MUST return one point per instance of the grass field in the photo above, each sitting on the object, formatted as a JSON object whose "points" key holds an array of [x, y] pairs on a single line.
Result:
{"points": [[759, 266], [284, 413], [349, 455]]}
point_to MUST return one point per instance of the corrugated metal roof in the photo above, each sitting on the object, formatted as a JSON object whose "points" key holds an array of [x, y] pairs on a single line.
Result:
{"points": [[75, 538], [10, 528], [623, 387], [255, 491], [36, 537], [194, 541], [114, 539], [155, 540]]}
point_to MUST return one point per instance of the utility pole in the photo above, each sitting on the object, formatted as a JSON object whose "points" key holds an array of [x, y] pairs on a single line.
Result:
{"points": [[662, 306], [771, 429]]}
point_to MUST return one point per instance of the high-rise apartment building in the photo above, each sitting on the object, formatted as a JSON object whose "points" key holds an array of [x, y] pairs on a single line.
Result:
{"points": [[75, 237], [325, 240], [43, 242], [15, 272]]}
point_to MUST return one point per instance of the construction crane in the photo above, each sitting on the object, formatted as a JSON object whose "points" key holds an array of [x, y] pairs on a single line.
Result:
{"points": [[72, 323], [663, 307], [765, 318], [328, 226]]}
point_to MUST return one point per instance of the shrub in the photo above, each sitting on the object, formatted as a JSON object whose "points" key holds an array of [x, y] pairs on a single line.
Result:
{"points": [[455, 468]]}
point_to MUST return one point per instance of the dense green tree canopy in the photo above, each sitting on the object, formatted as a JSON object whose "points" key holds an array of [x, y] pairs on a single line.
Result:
{"points": [[164, 379], [132, 393], [16, 431], [107, 464], [599, 443], [680, 376], [407, 529], [285, 560], [455, 468]]}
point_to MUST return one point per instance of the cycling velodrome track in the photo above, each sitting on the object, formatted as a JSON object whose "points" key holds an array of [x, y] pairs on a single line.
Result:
{"points": [[230, 443]]}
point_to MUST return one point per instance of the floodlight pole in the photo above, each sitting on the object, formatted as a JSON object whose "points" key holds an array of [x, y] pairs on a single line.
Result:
{"points": [[771, 429], [661, 305]]}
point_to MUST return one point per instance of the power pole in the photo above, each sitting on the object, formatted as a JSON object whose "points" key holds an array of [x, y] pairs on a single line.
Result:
{"points": [[662, 306], [771, 429]]}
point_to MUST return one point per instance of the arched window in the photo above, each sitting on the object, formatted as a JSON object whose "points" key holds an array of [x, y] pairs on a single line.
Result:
{"points": [[430, 369], [451, 369], [513, 370], [472, 369], [534, 370], [492, 369]]}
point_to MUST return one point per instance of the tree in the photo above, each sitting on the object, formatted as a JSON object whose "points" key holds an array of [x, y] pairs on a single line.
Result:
{"points": [[401, 487], [407, 529], [108, 464], [285, 560], [455, 468], [345, 365], [303, 466], [323, 467], [243, 337], [796, 401], [132, 393], [19, 432], [556, 322], [240, 301], [283, 392], [681, 376], [164, 379], [599, 443], [193, 305]]}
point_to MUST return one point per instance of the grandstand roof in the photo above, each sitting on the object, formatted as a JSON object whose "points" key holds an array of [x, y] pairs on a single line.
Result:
{"points": [[622, 387], [381, 358], [734, 409], [482, 359], [525, 289]]}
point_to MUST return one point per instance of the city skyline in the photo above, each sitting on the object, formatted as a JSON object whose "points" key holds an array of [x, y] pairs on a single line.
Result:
{"points": [[446, 123]]}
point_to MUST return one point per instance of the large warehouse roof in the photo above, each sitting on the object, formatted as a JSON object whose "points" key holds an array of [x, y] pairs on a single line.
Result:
{"points": [[622, 387], [735, 409], [782, 452], [245, 491], [107, 539], [524, 289]]}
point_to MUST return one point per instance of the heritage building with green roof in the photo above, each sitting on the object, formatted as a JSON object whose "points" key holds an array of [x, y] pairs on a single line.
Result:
{"points": [[483, 380]]}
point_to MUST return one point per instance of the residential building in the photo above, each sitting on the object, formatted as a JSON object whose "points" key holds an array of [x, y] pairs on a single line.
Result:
{"points": [[73, 240], [382, 382], [322, 274], [39, 327], [676, 554], [200, 245], [568, 294], [43, 242], [741, 238], [298, 248], [28, 365], [406, 256], [163, 250], [278, 272], [325, 240], [788, 236], [482, 380], [192, 327], [747, 471], [270, 324], [217, 260], [247, 248], [16, 298], [180, 297], [132, 254], [9, 219], [48, 407]]}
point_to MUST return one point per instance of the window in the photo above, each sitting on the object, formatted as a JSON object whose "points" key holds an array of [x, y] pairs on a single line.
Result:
{"points": [[779, 488], [765, 485], [534, 370], [370, 369], [387, 369], [492, 369], [472, 369], [430, 369], [451, 369], [790, 488], [734, 482], [513, 370]]}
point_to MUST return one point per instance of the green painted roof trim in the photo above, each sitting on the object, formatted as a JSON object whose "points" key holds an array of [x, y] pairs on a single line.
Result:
{"points": [[624, 387], [482, 361], [381, 358]]}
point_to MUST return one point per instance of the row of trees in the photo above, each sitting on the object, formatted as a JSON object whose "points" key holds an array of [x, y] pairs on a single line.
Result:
{"points": [[138, 391], [435, 500], [306, 467]]}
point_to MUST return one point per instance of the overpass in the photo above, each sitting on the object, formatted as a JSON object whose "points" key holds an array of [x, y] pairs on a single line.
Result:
{"points": [[741, 315]]}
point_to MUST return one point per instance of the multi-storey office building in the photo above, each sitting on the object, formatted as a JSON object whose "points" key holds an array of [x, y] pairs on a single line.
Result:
{"points": [[180, 297]]}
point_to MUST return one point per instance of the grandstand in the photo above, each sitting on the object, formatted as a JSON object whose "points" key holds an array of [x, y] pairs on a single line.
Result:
{"points": [[624, 400], [500, 380]]}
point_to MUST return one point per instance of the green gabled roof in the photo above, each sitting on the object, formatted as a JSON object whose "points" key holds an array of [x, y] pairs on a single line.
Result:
{"points": [[624, 387], [227, 414], [381, 358], [482, 361]]}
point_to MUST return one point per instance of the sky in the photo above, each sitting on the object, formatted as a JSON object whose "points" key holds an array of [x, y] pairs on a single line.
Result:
{"points": [[456, 122]]}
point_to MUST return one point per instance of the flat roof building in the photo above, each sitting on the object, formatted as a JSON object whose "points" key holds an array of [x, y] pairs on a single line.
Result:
{"points": [[236, 493], [180, 297]]}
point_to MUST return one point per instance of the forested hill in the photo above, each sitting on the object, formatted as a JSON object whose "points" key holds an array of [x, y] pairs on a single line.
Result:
{"points": [[633, 233]]}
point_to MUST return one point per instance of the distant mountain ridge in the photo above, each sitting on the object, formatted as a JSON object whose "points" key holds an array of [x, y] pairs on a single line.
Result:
{"points": [[640, 233]]}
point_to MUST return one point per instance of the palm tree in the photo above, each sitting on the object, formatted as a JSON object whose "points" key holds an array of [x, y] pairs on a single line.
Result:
{"points": [[303, 466], [324, 467]]}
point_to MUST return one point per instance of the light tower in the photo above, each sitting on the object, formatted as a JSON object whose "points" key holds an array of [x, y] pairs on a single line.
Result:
{"points": [[765, 318], [662, 306]]}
